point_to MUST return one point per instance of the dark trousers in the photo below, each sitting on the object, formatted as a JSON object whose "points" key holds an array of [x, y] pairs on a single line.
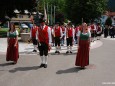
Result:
{"points": [[57, 41], [34, 41], [69, 41], [43, 49]]}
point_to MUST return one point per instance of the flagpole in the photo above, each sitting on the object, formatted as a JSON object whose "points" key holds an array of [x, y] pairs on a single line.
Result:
{"points": [[47, 14], [51, 15], [54, 13]]}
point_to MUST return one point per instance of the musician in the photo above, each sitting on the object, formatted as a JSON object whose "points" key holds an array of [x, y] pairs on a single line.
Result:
{"points": [[93, 32], [57, 31], [98, 31], [45, 39], [33, 36], [70, 37]]}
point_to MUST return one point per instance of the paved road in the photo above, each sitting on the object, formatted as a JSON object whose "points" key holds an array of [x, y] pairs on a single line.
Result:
{"points": [[61, 70]]}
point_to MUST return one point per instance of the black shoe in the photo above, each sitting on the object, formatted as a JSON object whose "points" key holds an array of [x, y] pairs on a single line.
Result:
{"points": [[45, 66], [56, 51], [67, 52], [14, 63], [34, 50], [42, 65], [70, 52], [82, 68]]}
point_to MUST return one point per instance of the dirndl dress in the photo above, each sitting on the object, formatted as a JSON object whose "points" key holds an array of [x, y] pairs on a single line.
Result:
{"points": [[82, 57], [12, 51]]}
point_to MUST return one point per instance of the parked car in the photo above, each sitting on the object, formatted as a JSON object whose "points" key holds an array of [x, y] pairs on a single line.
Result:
{"points": [[23, 28], [30, 25]]}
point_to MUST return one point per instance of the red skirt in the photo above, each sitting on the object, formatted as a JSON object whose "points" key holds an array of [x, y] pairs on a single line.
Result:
{"points": [[12, 51], [82, 57]]}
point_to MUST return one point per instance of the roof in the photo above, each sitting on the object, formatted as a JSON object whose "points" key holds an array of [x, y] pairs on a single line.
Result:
{"points": [[111, 13]]}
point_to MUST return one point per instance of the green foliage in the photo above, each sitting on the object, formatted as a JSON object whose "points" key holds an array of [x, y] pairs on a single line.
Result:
{"points": [[3, 32], [86, 9]]}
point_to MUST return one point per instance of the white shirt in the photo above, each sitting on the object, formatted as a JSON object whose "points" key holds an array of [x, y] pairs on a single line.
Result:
{"points": [[79, 32]]}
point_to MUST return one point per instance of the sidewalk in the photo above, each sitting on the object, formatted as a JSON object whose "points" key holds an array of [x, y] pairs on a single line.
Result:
{"points": [[25, 48]]}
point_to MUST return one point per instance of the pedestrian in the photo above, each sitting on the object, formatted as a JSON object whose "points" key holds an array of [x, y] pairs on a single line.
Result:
{"points": [[98, 31], [111, 31], [70, 37], [93, 32], [106, 31], [33, 36], [12, 44], [45, 40], [82, 57], [57, 31]]}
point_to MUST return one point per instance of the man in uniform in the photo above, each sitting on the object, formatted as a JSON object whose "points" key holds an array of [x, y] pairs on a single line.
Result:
{"points": [[33, 36], [93, 32], [45, 39], [99, 31], [57, 31], [70, 37]]}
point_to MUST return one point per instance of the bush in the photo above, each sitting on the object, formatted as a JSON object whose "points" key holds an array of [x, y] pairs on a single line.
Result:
{"points": [[3, 32]]}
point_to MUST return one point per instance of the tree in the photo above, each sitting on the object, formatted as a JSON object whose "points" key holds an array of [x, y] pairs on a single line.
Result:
{"points": [[7, 8], [76, 10]]}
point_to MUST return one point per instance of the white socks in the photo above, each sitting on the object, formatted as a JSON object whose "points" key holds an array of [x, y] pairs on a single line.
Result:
{"points": [[69, 48], [56, 48], [35, 47], [44, 59]]}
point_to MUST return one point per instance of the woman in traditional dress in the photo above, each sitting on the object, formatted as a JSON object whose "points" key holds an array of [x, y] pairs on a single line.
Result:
{"points": [[84, 36], [12, 45]]}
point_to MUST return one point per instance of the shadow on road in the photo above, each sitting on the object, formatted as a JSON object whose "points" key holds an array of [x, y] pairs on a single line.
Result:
{"points": [[64, 54], [6, 64], [70, 70], [24, 69]]}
